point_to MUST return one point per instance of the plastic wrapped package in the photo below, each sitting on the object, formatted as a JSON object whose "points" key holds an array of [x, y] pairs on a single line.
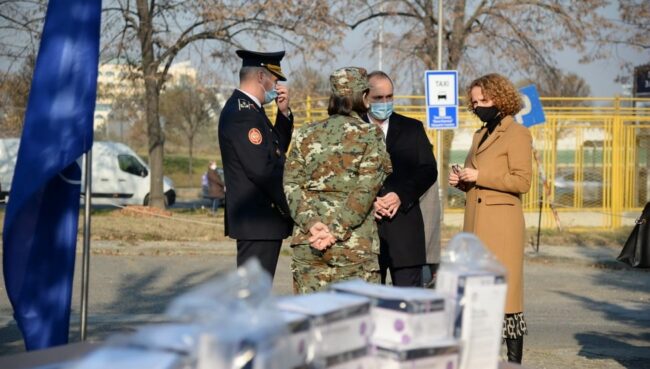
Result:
{"points": [[402, 317], [172, 337], [474, 280], [242, 326], [341, 324], [124, 357]]}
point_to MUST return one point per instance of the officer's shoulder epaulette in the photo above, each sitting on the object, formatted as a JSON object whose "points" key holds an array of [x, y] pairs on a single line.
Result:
{"points": [[244, 104]]}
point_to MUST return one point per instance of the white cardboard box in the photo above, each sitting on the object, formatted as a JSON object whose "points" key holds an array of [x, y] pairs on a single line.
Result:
{"points": [[358, 359], [299, 341], [341, 322], [408, 317], [479, 305], [443, 354]]}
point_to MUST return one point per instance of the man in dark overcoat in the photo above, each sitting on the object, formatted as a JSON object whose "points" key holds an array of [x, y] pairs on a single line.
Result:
{"points": [[253, 154], [397, 207]]}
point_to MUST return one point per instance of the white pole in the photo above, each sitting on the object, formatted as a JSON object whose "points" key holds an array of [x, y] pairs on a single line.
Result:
{"points": [[380, 63], [442, 196], [86, 245]]}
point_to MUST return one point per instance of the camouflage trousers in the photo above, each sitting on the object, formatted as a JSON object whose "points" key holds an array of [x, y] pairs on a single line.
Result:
{"points": [[314, 270]]}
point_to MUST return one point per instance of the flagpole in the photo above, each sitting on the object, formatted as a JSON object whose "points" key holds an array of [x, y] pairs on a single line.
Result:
{"points": [[86, 240]]}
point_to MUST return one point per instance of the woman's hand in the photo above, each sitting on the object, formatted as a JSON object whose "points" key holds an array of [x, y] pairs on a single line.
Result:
{"points": [[453, 179], [468, 175]]}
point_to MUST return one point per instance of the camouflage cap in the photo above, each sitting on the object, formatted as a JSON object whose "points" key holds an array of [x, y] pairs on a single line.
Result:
{"points": [[347, 80]]}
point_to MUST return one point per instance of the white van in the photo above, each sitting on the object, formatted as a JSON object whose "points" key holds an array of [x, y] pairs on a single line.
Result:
{"points": [[120, 176]]}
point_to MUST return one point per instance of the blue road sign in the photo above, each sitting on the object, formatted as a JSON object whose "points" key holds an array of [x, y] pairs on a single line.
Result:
{"points": [[442, 117], [441, 88], [532, 113]]}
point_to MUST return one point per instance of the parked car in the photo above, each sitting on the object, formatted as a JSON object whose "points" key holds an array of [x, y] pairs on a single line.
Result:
{"points": [[591, 185], [119, 175]]}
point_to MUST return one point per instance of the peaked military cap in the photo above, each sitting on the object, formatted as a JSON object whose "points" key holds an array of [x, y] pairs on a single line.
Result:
{"points": [[270, 61]]}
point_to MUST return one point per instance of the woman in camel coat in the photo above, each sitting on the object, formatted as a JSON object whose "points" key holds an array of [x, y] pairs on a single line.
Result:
{"points": [[497, 173]]}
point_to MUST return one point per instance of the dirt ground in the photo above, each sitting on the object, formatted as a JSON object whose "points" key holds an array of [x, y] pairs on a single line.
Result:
{"points": [[139, 223]]}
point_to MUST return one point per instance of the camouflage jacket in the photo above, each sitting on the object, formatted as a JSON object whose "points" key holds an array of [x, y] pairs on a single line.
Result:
{"points": [[333, 173]]}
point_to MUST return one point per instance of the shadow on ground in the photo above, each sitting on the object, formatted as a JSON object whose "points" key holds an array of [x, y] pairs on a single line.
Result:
{"points": [[630, 349], [141, 299]]}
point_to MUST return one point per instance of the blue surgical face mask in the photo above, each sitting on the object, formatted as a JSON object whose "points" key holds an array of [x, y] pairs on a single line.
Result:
{"points": [[270, 95], [381, 111]]}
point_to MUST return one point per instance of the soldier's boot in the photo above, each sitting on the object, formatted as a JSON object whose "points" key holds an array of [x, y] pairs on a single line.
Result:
{"points": [[515, 348]]}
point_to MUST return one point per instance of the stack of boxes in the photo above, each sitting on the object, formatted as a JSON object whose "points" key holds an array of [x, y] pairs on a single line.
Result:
{"points": [[234, 322], [341, 326]]}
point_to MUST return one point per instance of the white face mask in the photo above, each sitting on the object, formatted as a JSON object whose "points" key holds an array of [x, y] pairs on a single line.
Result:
{"points": [[213, 167]]}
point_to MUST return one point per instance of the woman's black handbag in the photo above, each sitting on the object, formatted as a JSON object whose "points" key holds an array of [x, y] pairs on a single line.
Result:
{"points": [[636, 251]]}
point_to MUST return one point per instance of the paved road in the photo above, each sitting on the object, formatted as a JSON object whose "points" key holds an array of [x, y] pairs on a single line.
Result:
{"points": [[578, 316]]}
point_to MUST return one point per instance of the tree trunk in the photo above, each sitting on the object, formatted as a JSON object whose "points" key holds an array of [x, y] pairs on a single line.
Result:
{"points": [[152, 95], [156, 145], [190, 147]]}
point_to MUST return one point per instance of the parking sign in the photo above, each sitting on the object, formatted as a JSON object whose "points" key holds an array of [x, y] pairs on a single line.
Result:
{"points": [[532, 113]]}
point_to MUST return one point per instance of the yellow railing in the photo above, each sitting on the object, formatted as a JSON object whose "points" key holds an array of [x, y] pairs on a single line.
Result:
{"points": [[595, 153]]}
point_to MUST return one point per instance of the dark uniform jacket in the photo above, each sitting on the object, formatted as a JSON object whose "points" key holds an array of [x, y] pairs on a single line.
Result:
{"points": [[253, 155], [414, 171]]}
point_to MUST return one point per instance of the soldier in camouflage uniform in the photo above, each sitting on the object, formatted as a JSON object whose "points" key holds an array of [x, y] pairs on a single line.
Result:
{"points": [[332, 175]]}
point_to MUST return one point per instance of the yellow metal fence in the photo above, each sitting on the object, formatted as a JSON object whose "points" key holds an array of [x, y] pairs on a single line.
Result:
{"points": [[593, 152]]}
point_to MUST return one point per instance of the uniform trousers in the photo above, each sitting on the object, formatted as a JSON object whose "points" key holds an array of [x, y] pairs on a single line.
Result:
{"points": [[403, 277], [266, 251]]}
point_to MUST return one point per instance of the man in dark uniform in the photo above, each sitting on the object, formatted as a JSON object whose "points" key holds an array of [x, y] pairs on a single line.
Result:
{"points": [[402, 232], [253, 154]]}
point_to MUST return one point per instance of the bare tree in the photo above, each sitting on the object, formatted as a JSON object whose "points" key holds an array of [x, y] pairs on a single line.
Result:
{"points": [[188, 109], [163, 28], [557, 83], [511, 37], [14, 92]]}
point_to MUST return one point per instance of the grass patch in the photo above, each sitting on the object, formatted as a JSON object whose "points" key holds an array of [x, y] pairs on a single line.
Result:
{"points": [[176, 167]]}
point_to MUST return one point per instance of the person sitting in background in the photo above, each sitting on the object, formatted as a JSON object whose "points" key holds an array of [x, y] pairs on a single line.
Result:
{"points": [[216, 189]]}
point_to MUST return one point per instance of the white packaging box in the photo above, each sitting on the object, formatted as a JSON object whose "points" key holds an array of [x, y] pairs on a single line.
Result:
{"points": [[443, 354], [479, 307], [358, 359], [340, 322], [299, 341], [408, 317]]}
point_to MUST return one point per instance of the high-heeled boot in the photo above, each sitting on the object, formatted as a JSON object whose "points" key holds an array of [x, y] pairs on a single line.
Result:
{"points": [[515, 348]]}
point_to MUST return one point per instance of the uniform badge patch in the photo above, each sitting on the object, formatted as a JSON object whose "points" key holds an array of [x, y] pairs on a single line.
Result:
{"points": [[255, 136], [243, 104]]}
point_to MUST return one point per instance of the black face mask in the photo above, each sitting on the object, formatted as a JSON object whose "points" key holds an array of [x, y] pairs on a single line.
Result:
{"points": [[486, 114]]}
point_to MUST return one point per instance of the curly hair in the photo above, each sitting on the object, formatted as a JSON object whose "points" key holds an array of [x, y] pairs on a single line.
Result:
{"points": [[500, 90]]}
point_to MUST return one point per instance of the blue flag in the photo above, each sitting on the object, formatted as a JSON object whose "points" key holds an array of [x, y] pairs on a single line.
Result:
{"points": [[40, 229]]}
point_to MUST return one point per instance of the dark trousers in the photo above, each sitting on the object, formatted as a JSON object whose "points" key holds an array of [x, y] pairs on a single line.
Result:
{"points": [[429, 272], [266, 251], [403, 277]]}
